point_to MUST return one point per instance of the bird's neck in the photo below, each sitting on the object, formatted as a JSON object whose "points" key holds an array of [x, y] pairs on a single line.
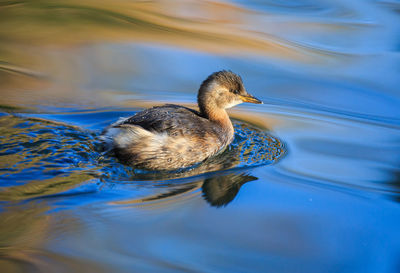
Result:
{"points": [[219, 116]]}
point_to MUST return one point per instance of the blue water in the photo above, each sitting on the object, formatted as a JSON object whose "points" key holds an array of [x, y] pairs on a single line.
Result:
{"points": [[311, 182]]}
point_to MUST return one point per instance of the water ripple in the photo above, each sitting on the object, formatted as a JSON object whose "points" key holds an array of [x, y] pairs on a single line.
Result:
{"points": [[41, 158]]}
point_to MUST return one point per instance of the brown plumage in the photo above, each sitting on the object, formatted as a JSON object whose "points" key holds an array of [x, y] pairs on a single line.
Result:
{"points": [[171, 136]]}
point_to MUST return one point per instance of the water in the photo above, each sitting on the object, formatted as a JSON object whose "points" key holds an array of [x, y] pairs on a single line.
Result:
{"points": [[311, 182]]}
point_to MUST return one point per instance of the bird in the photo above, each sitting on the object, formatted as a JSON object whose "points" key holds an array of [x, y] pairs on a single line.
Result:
{"points": [[171, 137]]}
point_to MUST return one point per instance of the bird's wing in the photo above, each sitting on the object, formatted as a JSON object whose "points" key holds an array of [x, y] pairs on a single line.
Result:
{"points": [[171, 119]]}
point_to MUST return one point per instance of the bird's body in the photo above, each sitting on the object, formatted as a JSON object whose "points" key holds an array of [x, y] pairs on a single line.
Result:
{"points": [[172, 136], [167, 137]]}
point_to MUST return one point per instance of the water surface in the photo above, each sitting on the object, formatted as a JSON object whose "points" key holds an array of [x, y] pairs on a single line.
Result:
{"points": [[311, 182]]}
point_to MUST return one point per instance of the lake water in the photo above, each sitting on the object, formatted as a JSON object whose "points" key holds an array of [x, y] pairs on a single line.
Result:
{"points": [[311, 182]]}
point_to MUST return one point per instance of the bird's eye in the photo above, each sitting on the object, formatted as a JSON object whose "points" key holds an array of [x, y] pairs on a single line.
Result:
{"points": [[235, 91]]}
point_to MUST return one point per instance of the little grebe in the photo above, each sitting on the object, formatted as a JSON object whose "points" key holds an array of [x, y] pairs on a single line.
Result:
{"points": [[171, 136]]}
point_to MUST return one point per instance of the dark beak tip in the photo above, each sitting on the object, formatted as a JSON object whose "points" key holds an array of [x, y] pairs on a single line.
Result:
{"points": [[258, 101]]}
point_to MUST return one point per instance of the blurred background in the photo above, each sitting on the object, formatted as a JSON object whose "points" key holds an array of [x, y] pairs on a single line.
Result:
{"points": [[311, 182]]}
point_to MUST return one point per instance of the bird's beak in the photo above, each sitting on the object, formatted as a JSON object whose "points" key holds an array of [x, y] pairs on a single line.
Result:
{"points": [[250, 98]]}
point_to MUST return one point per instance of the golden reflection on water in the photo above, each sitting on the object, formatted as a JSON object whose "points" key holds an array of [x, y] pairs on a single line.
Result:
{"points": [[41, 41], [70, 23], [24, 232]]}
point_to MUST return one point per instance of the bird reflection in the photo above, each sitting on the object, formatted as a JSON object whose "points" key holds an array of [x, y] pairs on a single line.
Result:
{"points": [[218, 190], [394, 183], [221, 190]]}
